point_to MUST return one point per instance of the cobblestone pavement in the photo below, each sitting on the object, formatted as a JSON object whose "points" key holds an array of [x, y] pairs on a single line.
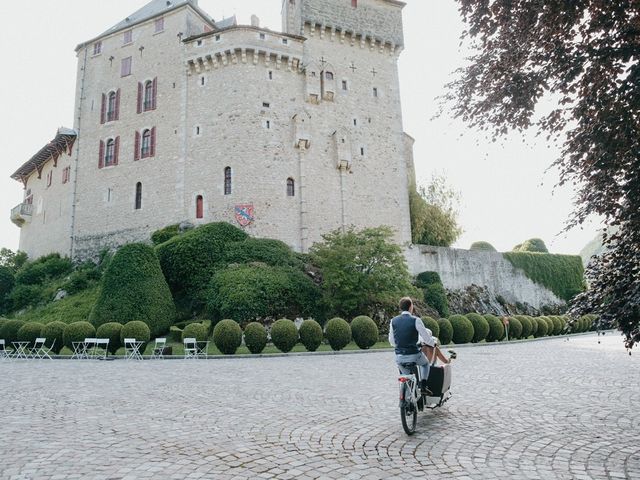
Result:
{"points": [[539, 410]]}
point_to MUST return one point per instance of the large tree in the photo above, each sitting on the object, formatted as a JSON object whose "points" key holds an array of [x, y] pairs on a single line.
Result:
{"points": [[583, 57]]}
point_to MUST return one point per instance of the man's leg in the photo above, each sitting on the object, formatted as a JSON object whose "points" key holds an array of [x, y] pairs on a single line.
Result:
{"points": [[423, 363]]}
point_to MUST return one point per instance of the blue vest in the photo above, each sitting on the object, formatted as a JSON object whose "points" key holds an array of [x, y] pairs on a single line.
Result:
{"points": [[405, 334]]}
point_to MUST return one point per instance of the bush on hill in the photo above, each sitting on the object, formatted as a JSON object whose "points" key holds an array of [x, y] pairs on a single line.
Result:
{"points": [[496, 328], [165, 234], [310, 335], [364, 332], [482, 246], [54, 333], [263, 250], [284, 334], [480, 326], [227, 336], [338, 333], [462, 329], [446, 331], [255, 337]]}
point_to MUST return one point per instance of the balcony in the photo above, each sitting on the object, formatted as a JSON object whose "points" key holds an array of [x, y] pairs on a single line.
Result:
{"points": [[21, 214]]}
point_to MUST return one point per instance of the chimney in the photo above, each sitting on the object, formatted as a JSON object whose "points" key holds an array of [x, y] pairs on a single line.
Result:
{"points": [[255, 21]]}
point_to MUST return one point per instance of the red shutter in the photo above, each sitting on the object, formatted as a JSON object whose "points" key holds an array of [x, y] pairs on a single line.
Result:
{"points": [[154, 94], [136, 153], [117, 112], [152, 150], [116, 150], [103, 109], [140, 97], [101, 155]]}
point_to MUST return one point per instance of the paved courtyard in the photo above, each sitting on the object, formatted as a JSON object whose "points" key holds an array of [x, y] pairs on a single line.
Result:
{"points": [[540, 410]]}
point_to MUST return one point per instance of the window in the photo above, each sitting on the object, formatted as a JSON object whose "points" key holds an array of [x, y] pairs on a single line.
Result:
{"points": [[267, 124], [291, 187], [262, 36], [355, 122], [198, 130], [328, 75], [97, 48], [375, 92], [270, 75], [138, 204], [110, 153], [159, 25], [125, 69], [354, 3], [199, 43], [128, 37], [199, 207], [217, 38], [345, 86], [362, 151], [227, 181], [148, 95], [66, 174], [111, 106], [266, 104], [203, 81], [49, 178], [145, 150], [285, 41]]}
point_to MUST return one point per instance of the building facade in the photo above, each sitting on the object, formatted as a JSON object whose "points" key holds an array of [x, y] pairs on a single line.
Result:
{"points": [[288, 135]]}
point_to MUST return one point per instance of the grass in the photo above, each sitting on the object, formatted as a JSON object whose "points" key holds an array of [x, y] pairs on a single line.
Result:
{"points": [[74, 308]]}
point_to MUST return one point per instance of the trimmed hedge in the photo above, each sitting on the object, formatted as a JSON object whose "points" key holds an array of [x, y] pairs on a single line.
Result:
{"points": [[550, 325], [199, 331], [480, 326], [432, 325], [29, 332], [515, 328], [264, 250], [462, 329], [136, 329], [364, 332], [445, 331], [558, 325], [54, 333], [175, 334], [310, 335], [526, 325], [496, 328], [77, 332], [9, 331], [535, 245], [255, 337], [165, 234], [534, 325], [543, 327], [436, 297], [338, 333], [227, 336], [427, 278], [111, 331], [482, 246], [284, 334]]}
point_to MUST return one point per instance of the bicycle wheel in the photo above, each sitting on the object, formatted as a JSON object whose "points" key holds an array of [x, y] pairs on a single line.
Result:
{"points": [[408, 412]]}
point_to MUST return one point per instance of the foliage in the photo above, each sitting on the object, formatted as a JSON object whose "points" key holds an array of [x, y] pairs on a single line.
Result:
{"points": [[29, 332], [49, 266], [77, 332], [9, 330], [534, 325], [54, 333], [432, 325], [361, 269], [543, 327], [496, 328], [175, 334], [562, 274], [462, 329], [533, 245], [12, 260], [338, 333], [7, 281], [527, 327], [550, 325], [436, 297], [255, 337], [480, 326], [264, 250], [165, 234], [136, 329], [112, 331], [482, 246], [258, 291], [310, 335], [284, 334], [78, 281], [558, 325], [427, 278], [199, 331], [585, 54], [445, 331], [23, 296], [133, 288], [73, 308], [227, 336], [515, 328], [364, 332]]}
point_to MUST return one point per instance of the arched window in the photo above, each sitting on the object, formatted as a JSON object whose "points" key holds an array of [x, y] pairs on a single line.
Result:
{"points": [[138, 204], [148, 95], [199, 207], [110, 153], [111, 107], [145, 149], [291, 187], [328, 75], [227, 181]]}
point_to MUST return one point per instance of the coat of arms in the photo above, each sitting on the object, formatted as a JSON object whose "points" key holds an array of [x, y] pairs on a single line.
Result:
{"points": [[244, 214]]}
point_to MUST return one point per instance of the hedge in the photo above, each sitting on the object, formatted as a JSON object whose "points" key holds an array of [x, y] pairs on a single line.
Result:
{"points": [[54, 333], [29, 332], [165, 234], [7, 281], [462, 329], [550, 325], [136, 329], [432, 325], [264, 250], [111, 331], [445, 331], [133, 288], [175, 334], [199, 331], [364, 332], [310, 335], [227, 336], [515, 328], [284, 334], [534, 325], [9, 331], [255, 337], [338, 333], [558, 325], [427, 278], [496, 328], [436, 297], [482, 246], [480, 326], [526, 325], [543, 327], [77, 332]]}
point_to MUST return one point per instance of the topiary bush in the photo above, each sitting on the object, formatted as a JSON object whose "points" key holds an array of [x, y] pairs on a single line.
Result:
{"points": [[480, 326], [227, 336], [482, 246], [29, 332], [526, 325], [165, 234], [263, 250], [550, 325], [133, 288], [558, 325], [77, 332], [515, 328], [496, 328], [534, 325], [338, 333], [284, 334], [364, 332], [535, 245], [462, 329], [175, 334], [112, 331], [310, 335], [427, 278], [9, 331], [136, 329], [446, 331], [436, 297], [432, 325], [543, 327], [255, 337], [54, 333], [199, 331]]}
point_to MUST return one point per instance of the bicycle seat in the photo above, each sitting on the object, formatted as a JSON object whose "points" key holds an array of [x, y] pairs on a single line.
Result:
{"points": [[408, 365]]}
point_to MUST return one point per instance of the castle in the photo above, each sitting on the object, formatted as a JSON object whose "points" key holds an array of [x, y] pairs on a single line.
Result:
{"points": [[179, 118]]}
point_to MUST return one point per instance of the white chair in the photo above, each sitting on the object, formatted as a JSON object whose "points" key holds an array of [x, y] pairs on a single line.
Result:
{"points": [[4, 353], [158, 348], [190, 348], [90, 347], [203, 349], [40, 349], [132, 349], [102, 348]]}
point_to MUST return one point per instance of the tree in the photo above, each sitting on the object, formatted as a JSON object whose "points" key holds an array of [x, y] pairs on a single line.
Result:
{"points": [[12, 260], [585, 56], [361, 271], [434, 213]]}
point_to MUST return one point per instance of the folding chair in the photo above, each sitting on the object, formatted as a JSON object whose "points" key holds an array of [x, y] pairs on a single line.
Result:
{"points": [[4, 353], [102, 348], [79, 350], [158, 348], [90, 347], [203, 349], [132, 349], [190, 348], [40, 349]]}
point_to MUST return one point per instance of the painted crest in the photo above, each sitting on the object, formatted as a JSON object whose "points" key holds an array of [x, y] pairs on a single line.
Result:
{"points": [[244, 214]]}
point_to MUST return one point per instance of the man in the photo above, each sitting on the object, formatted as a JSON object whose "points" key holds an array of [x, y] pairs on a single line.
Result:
{"points": [[405, 331]]}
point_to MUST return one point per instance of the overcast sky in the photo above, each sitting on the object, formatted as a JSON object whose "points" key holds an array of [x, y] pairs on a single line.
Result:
{"points": [[506, 195]]}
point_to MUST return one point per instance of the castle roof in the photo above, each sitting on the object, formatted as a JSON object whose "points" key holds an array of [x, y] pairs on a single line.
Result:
{"points": [[63, 142]]}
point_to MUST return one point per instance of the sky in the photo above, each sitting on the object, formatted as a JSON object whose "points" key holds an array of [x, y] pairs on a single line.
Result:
{"points": [[507, 192]]}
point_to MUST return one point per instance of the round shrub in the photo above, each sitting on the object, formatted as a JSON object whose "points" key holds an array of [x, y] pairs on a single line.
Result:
{"points": [[310, 335], [558, 325], [9, 330], [111, 331], [364, 332], [175, 334], [284, 334], [482, 246], [526, 325], [77, 332], [515, 328], [496, 328], [543, 327], [533, 245], [264, 250], [534, 325], [338, 333], [432, 325], [427, 278], [227, 336], [29, 332], [198, 331], [445, 331], [480, 326], [54, 333], [133, 288], [255, 337], [136, 329], [436, 297], [549, 325], [462, 329], [164, 234]]}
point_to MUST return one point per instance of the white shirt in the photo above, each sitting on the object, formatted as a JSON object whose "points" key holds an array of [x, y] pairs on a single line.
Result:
{"points": [[424, 334]]}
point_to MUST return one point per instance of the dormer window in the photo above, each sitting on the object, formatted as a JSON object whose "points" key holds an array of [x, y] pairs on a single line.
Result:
{"points": [[328, 75], [128, 37], [159, 25]]}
